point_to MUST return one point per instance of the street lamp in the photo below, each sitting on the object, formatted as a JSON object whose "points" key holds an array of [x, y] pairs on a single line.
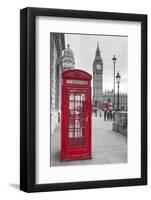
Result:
{"points": [[114, 61], [118, 77]]}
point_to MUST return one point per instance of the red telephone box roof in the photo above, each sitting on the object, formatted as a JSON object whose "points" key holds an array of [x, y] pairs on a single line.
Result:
{"points": [[76, 74]]}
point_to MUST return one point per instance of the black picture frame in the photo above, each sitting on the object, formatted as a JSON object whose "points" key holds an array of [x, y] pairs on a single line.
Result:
{"points": [[28, 98]]}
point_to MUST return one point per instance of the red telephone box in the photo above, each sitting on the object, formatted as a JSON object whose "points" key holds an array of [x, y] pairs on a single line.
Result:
{"points": [[76, 115]]}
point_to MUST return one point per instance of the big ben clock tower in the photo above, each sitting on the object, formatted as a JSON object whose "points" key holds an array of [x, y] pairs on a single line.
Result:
{"points": [[97, 79]]}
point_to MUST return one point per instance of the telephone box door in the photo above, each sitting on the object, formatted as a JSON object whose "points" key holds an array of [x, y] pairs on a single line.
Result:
{"points": [[77, 128], [76, 120]]}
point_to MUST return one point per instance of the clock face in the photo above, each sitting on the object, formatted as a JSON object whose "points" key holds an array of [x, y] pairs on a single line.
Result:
{"points": [[98, 67]]}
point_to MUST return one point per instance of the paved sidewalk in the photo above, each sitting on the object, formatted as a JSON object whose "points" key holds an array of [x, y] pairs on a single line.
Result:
{"points": [[107, 146]]}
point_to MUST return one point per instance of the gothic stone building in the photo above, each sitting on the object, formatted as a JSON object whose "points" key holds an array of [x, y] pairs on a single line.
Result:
{"points": [[61, 58], [57, 45], [68, 60], [99, 96], [97, 79]]}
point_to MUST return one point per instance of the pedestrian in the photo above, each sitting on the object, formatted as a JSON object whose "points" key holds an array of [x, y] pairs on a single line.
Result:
{"points": [[109, 110], [110, 114], [100, 113], [96, 113], [59, 117], [105, 114]]}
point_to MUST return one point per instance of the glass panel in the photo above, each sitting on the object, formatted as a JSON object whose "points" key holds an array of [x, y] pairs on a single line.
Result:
{"points": [[83, 114], [83, 105], [77, 117], [71, 105], [71, 133], [71, 114], [71, 124], [77, 124], [71, 98], [83, 123], [77, 97], [77, 105], [79, 133], [76, 133], [83, 132], [82, 97]]}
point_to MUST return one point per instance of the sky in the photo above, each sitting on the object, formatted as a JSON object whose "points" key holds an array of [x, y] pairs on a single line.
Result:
{"points": [[84, 48]]}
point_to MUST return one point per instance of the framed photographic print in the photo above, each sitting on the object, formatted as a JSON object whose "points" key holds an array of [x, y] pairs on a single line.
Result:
{"points": [[83, 99]]}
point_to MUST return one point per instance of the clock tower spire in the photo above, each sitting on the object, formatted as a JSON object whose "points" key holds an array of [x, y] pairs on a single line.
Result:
{"points": [[97, 78]]}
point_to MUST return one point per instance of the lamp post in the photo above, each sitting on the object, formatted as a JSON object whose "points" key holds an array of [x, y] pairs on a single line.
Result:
{"points": [[118, 85], [114, 61]]}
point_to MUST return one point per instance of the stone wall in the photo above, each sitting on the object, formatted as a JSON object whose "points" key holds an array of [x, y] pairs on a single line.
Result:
{"points": [[120, 123], [57, 45]]}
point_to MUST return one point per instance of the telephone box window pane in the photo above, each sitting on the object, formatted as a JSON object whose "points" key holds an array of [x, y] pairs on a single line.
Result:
{"points": [[76, 114], [83, 114], [78, 106], [77, 97], [71, 105], [83, 132], [77, 123], [71, 124], [76, 133], [71, 114], [71, 134], [83, 123], [80, 133], [82, 97], [83, 105], [77, 117], [71, 96]]}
